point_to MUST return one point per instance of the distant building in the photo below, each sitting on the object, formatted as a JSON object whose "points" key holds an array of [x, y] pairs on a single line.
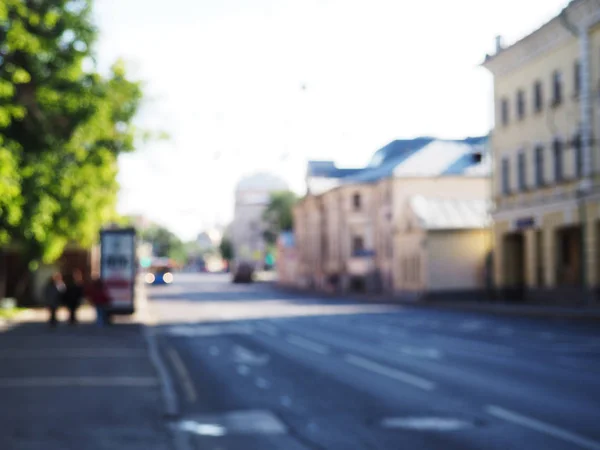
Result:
{"points": [[347, 236], [546, 159], [252, 196], [209, 239]]}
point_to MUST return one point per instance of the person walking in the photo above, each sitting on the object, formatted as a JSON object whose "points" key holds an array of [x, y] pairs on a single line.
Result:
{"points": [[53, 294], [74, 295], [98, 295]]}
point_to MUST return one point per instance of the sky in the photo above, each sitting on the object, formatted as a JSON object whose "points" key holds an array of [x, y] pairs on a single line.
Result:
{"points": [[243, 86]]}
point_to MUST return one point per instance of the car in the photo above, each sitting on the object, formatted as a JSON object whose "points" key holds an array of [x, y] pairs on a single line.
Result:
{"points": [[158, 276], [243, 273]]}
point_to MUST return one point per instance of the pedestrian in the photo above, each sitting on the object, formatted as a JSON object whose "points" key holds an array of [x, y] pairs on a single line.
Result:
{"points": [[53, 294], [98, 295], [73, 296]]}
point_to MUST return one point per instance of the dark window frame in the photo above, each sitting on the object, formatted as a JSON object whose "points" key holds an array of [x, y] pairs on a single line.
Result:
{"points": [[356, 201], [505, 176], [504, 111], [557, 88], [578, 151], [358, 244], [576, 78], [538, 96], [520, 104], [539, 155], [522, 170], [557, 153]]}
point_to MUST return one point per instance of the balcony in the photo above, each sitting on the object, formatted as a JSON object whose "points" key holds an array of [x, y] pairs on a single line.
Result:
{"points": [[361, 263]]}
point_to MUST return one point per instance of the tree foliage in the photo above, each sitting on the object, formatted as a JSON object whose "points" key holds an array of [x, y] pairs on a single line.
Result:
{"points": [[278, 214], [165, 243], [62, 127], [226, 249]]}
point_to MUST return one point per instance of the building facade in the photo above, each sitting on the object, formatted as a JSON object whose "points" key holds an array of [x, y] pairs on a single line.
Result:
{"points": [[347, 235], [252, 196], [546, 164]]}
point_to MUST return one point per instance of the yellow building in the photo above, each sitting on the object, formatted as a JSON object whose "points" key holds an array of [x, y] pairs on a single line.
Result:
{"points": [[546, 164]]}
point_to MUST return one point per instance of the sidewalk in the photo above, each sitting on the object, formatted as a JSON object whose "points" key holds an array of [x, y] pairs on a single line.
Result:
{"points": [[78, 387], [591, 312]]}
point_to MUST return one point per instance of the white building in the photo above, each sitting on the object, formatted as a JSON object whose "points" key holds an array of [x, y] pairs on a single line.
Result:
{"points": [[252, 195]]}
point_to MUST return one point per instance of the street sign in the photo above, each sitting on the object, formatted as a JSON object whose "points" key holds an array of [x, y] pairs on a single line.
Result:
{"points": [[118, 268]]}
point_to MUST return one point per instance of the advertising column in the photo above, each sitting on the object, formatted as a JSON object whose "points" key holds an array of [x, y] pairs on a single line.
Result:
{"points": [[118, 268]]}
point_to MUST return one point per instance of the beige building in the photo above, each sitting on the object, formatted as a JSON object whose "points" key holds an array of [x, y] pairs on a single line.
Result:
{"points": [[348, 236], [252, 196], [442, 247], [546, 165]]}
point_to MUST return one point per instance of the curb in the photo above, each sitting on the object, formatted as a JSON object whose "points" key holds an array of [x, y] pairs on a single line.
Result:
{"points": [[180, 440]]}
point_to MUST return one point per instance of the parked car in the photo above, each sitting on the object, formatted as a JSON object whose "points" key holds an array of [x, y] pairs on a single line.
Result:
{"points": [[243, 273]]}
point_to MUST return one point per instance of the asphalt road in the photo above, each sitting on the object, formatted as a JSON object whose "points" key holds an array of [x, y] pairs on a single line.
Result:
{"points": [[255, 368]]}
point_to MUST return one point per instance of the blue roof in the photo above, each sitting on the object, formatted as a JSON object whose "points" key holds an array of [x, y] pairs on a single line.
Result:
{"points": [[328, 169], [459, 166], [409, 157]]}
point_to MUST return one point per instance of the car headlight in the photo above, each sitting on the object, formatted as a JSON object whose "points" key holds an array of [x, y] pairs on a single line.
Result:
{"points": [[168, 278], [149, 278]]}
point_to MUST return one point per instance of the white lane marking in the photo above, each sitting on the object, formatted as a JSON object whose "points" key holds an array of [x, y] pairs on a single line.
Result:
{"points": [[285, 401], [73, 353], [243, 355], [207, 330], [390, 372], [166, 380], [78, 381], [542, 427], [183, 374], [262, 383], [243, 370], [307, 345], [429, 353]]}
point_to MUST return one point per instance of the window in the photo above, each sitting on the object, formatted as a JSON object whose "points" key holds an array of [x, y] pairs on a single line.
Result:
{"points": [[522, 172], [578, 148], [505, 176], [520, 105], [538, 96], [539, 166], [416, 273], [556, 88], [356, 201], [577, 78], [358, 244], [504, 111], [557, 149]]}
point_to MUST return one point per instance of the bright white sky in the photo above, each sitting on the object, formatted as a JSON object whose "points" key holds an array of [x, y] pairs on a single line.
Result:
{"points": [[225, 79]]}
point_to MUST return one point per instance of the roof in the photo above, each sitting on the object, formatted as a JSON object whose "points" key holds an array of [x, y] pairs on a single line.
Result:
{"points": [[422, 156], [328, 169], [450, 214], [441, 157], [544, 27]]}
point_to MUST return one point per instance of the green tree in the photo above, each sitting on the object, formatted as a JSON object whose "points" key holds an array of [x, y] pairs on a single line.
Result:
{"points": [[165, 243], [62, 127], [226, 249], [278, 215]]}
